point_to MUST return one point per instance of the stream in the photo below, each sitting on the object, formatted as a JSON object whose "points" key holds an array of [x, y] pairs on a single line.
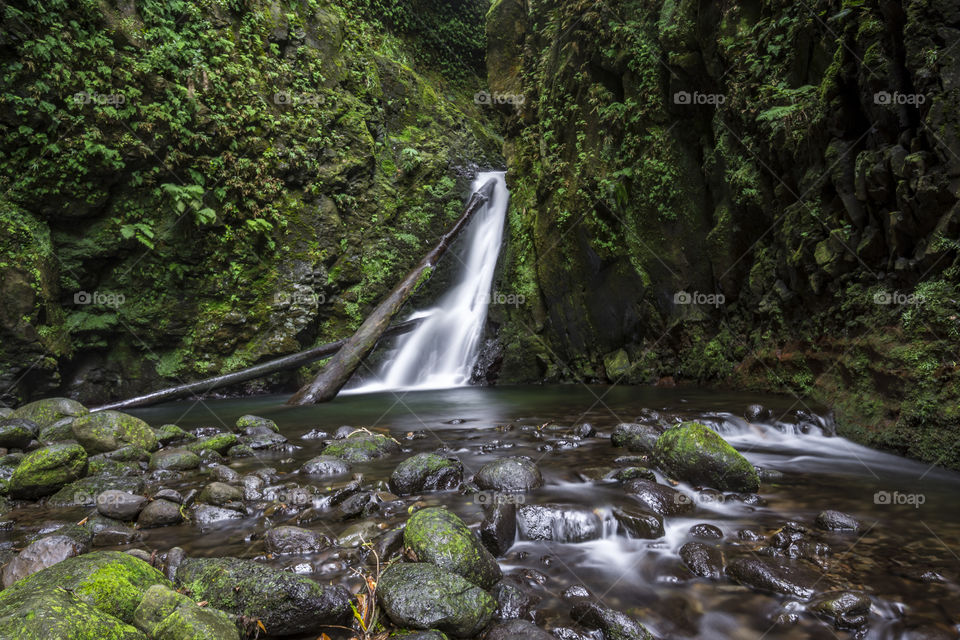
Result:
{"points": [[903, 557]]}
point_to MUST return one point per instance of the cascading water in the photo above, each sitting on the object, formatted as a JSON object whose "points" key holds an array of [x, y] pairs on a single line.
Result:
{"points": [[441, 351]]}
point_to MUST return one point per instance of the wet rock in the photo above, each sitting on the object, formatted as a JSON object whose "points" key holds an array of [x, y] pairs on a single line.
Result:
{"points": [[575, 591], [100, 465], [219, 493], [259, 441], [58, 614], [170, 433], [255, 422], [630, 473], [615, 625], [40, 554], [847, 609], [223, 473], [120, 505], [359, 534], [389, 544], [169, 494], [109, 430], [499, 527], [205, 514], [638, 523], [584, 430], [513, 474], [45, 470], [286, 603], [59, 431], [564, 633], [84, 492], [749, 535], [516, 630], [758, 413], [237, 451], [127, 453], [218, 444], [424, 596], [769, 475], [773, 574], [659, 499], [164, 613], [362, 447], [706, 531], [638, 438], [159, 513], [174, 460], [703, 560], [287, 539], [837, 521], [697, 454], [440, 537], [325, 467], [426, 472], [420, 635], [344, 432], [47, 412], [114, 534], [558, 522], [16, 433], [315, 434], [512, 600]]}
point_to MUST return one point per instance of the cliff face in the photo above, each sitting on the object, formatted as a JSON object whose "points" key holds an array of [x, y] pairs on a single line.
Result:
{"points": [[761, 194], [191, 187]]}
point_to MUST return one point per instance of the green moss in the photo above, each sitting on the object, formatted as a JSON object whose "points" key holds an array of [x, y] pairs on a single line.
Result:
{"points": [[47, 469], [440, 537], [697, 454]]}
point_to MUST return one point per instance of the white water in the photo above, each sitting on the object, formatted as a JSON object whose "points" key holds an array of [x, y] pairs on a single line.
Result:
{"points": [[441, 351]]}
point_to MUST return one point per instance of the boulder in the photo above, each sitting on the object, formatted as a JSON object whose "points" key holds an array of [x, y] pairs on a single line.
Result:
{"points": [[659, 499], [703, 560], [287, 539], [109, 430], [638, 438], [697, 454], [499, 527], [17, 433], [512, 474], [847, 609], [706, 531], [773, 575], [837, 521], [361, 446], [440, 537], [638, 523], [286, 603], [513, 601], [424, 596], [164, 613], [48, 411], [206, 514], [170, 433], [174, 460], [45, 470], [219, 493], [120, 505], [84, 492], [59, 614], [558, 522], [219, 443], [256, 422], [159, 513], [426, 472], [325, 467], [615, 625], [40, 554]]}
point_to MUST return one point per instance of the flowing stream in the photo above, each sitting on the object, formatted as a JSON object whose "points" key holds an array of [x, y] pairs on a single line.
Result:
{"points": [[441, 351]]}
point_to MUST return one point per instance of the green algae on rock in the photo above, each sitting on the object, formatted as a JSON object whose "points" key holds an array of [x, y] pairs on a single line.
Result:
{"points": [[45, 470], [697, 454], [440, 537], [109, 430]]}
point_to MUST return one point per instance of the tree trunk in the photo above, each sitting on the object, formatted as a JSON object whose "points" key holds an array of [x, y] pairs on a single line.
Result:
{"points": [[337, 372], [257, 371]]}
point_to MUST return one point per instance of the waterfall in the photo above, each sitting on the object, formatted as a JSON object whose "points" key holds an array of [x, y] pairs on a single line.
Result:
{"points": [[441, 351]]}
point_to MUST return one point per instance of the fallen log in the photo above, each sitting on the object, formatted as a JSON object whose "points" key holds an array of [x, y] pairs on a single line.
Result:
{"points": [[251, 373], [337, 372]]}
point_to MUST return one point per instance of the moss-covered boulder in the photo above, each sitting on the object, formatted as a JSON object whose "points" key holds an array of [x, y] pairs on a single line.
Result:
{"points": [[45, 615], [164, 613], [426, 472], [286, 603], [83, 492], [440, 537], [48, 411], [109, 430], [16, 433], [256, 422], [111, 581], [47, 469], [637, 437], [174, 459], [219, 443], [362, 446], [424, 596], [697, 454], [170, 433]]}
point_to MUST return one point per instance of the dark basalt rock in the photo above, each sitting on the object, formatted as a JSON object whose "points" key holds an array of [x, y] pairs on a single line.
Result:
{"points": [[440, 537], [516, 630], [426, 472], [614, 624], [288, 539], [509, 475], [513, 601], [773, 574], [636, 437], [659, 499], [837, 521], [697, 454], [847, 609], [499, 527], [637, 523], [325, 467], [558, 522], [706, 531], [702, 560]]}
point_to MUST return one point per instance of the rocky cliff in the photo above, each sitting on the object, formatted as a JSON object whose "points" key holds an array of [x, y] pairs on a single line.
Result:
{"points": [[761, 194]]}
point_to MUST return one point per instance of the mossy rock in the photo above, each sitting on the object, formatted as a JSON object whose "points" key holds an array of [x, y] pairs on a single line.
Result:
{"points": [[426, 472], [362, 447], [46, 412], [84, 492], [111, 581], [16, 433], [109, 430], [164, 613], [58, 431], [513, 474], [440, 537], [638, 438], [170, 433], [220, 443], [47, 469], [47, 615], [286, 603], [697, 454], [99, 465], [252, 422], [174, 459], [424, 596]]}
